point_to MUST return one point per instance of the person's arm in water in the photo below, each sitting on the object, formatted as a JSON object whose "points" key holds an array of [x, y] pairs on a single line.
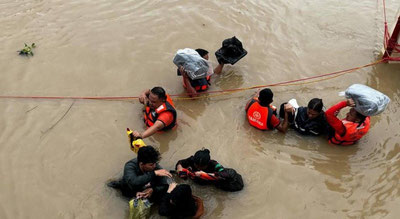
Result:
{"points": [[166, 208], [218, 69], [189, 88], [158, 125], [333, 121], [283, 126]]}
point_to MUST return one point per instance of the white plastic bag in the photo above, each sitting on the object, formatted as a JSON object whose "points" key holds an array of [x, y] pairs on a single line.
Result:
{"points": [[195, 66], [369, 102]]}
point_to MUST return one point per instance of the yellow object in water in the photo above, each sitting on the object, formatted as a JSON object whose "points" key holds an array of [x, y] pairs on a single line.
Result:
{"points": [[135, 143]]}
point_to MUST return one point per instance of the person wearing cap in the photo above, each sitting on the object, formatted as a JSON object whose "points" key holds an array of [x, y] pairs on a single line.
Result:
{"points": [[308, 120], [159, 112], [202, 84], [143, 177], [350, 129], [262, 115], [178, 202]]}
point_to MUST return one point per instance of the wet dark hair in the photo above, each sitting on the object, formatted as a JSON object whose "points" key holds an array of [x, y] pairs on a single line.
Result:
{"points": [[159, 92], [265, 97], [202, 157], [315, 104], [148, 154], [183, 199], [202, 52]]}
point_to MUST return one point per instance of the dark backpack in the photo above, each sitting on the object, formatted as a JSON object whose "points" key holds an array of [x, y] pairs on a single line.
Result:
{"points": [[229, 180]]}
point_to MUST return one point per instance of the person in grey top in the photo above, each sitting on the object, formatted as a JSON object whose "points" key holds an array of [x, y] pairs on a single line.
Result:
{"points": [[143, 177]]}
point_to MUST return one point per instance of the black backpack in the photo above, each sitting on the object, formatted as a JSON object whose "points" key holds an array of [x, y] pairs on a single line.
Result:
{"points": [[229, 180]]}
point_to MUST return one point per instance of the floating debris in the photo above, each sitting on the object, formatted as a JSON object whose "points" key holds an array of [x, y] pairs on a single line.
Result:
{"points": [[27, 50]]}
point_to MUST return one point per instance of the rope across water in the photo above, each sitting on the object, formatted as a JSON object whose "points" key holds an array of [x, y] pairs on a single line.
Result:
{"points": [[208, 94]]}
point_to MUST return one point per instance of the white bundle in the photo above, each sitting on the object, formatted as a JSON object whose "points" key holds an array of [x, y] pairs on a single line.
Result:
{"points": [[195, 66], [369, 102]]}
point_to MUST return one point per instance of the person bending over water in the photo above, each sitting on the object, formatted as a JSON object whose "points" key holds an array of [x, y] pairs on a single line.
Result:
{"points": [[202, 84], [204, 171], [159, 112], [350, 129], [308, 120], [179, 202]]}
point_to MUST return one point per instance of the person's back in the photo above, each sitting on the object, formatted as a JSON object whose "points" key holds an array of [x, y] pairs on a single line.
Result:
{"points": [[260, 114], [178, 202]]}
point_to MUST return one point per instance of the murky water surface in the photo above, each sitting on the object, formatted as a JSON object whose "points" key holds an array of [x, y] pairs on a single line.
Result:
{"points": [[56, 155]]}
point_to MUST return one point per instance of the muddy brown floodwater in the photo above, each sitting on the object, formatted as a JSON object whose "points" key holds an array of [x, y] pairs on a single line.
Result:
{"points": [[57, 155]]}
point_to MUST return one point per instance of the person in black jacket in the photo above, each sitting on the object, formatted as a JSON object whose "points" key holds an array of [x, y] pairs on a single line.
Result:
{"points": [[143, 177], [309, 120], [178, 202], [203, 171]]}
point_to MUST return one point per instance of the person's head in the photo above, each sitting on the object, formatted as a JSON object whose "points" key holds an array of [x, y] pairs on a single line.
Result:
{"points": [[203, 53], [201, 159], [265, 97], [148, 158], [157, 97], [181, 195], [314, 108], [354, 116]]}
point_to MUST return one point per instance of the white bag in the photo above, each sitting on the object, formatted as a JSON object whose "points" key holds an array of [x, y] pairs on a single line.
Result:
{"points": [[369, 102], [195, 66]]}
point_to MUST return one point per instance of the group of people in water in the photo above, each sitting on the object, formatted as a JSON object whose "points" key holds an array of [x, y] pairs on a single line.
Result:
{"points": [[143, 177]]}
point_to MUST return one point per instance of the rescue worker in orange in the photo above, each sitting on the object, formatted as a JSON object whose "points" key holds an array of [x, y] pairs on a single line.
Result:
{"points": [[262, 115], [350, 129], [159, 112], [199, 85]]}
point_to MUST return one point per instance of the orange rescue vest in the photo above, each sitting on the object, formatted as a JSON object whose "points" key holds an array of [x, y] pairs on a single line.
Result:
{"points": [[259, 116], [354, 132], [150, 116]]}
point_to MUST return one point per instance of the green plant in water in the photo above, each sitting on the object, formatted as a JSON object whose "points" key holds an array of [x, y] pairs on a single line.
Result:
{"points": [[27, 50]]}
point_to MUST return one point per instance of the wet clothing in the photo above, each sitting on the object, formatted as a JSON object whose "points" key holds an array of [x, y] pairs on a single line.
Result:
{"points": [[134, 180], [345, 132], [261, 117], [170, 210], [303, 125], [165, 113], [212, 167]]}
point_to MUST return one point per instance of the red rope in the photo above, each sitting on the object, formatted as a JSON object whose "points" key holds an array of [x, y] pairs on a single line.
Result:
{"points": [[185, 95]]}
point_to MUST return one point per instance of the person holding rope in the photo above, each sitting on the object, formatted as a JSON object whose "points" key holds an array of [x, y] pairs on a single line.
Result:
{"points": [[350, 129], [159, 112], [262, 115]]}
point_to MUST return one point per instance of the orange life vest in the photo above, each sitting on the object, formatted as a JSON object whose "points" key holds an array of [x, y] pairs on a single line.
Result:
{"points": [[150, 116], [259, 116], [200, 84], [354, 132]]}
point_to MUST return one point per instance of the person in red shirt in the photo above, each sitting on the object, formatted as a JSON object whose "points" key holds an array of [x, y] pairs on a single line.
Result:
{"points": [[159, 113], [262, 115], [350, 129]]}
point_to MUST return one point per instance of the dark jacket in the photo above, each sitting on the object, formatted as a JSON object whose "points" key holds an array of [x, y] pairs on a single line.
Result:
{"points": [[212, 167], [173, 211], [305, 126], [134, 180]]}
